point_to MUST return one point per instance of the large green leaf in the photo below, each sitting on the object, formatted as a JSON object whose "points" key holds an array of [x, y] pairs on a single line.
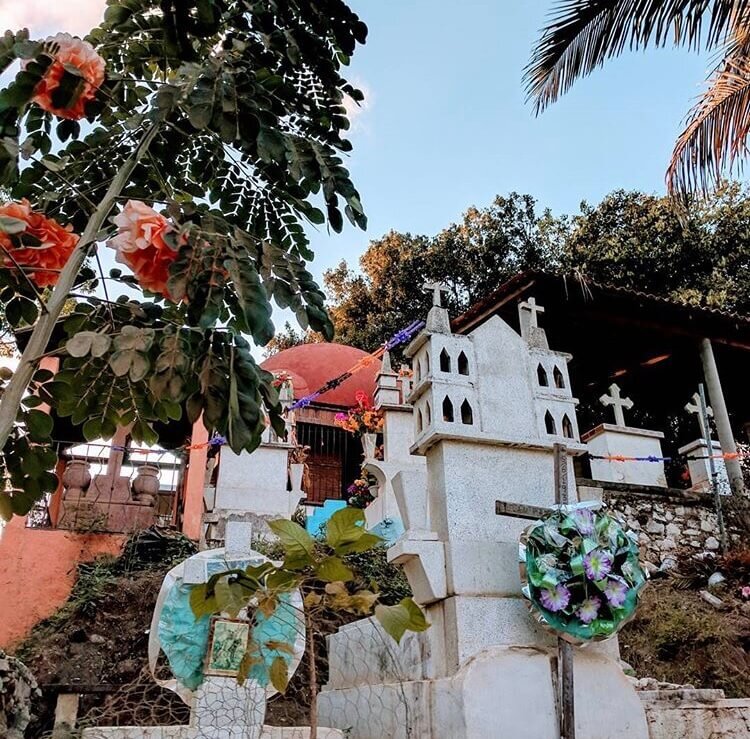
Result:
{"points": [[403, 617], [299, 546]]}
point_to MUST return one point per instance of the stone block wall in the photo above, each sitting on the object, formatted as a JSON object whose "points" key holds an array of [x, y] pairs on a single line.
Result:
{"points": [[667, 523]]}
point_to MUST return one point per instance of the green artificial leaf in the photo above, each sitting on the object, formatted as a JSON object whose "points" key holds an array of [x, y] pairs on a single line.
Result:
{"points": [[333, 569], [398, 619], [278, 674], [299, 546]]}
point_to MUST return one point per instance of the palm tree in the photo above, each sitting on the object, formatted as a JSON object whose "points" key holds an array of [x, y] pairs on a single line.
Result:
{"points": [[582, 34]]}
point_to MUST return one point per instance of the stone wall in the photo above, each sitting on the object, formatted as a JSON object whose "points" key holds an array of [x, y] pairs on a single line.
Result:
{"points": [[667, 523]]}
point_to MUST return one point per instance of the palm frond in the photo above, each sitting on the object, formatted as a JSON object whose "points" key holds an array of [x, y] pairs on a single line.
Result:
{"points": [[715, 136], [582, 34]]}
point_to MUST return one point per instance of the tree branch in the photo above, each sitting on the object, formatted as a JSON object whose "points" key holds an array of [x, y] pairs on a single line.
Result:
{"points": [[42, 332]]}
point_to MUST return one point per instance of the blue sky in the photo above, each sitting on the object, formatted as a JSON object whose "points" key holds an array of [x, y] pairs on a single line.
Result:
{"points": [[446, 125]]}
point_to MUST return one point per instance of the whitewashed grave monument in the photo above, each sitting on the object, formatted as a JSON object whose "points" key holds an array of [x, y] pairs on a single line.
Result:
{"points": [[619, 439], [697, 453], [486, 424]]}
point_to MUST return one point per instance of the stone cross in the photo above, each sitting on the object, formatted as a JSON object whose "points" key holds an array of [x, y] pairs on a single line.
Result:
{"points": [[533, 309], [438, 288], [695, 407], [617, 402]]}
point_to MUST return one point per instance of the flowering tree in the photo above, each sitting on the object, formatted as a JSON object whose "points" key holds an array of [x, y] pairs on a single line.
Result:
{"points": [[192, 137]]}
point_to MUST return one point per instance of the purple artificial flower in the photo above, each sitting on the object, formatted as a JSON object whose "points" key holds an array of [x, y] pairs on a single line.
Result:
{"points": [[340, 417], [583, 520], [598, 564], [589, 609], [616, 592], [555, 600]]}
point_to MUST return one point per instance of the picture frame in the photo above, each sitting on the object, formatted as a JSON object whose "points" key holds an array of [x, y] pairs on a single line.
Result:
{"points": [[227, 643]]}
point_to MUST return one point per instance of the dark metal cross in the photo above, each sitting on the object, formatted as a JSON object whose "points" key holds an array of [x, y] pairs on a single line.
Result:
{"points": [[562, 664]]}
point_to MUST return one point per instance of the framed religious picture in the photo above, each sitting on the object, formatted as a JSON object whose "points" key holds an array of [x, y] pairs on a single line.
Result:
{"points": [[226, 646]]}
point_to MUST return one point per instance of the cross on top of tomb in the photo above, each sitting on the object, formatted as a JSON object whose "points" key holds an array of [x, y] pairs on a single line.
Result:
{"points": [[617, 402], [533, 309], [437, 288], [694, 406]]}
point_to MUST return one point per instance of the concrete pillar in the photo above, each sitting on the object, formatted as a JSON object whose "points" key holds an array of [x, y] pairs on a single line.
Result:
{"points": [[195, 483], [721, 416]]}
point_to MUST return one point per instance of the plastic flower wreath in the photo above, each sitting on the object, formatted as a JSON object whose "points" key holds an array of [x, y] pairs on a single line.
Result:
{"points": [[40, 246], [580, 572], [142, 243], [71, 55], [362, 418]]}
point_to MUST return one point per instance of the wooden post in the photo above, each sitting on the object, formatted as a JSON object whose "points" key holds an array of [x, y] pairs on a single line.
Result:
{"points": [[712, 466], [721, 417], [195, 483], [564, 648]]}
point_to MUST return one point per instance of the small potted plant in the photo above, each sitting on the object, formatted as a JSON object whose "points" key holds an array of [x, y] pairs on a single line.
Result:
{"points": [[364, 421]]}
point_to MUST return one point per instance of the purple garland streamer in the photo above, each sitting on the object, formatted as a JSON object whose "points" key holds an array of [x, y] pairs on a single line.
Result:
{"points": [[399, 337]]}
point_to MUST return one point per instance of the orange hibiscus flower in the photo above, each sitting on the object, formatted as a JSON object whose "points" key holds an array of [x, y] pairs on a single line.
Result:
{"points": [[56, 244], [75, 53], [141, 246]]}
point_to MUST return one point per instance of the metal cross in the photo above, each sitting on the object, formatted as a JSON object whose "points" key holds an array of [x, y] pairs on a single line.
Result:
{"points": [[437, 289], [617, 402], [695, 407], [533, 309]]}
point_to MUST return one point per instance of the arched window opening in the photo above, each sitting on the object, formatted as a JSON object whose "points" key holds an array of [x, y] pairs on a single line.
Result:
{"points": [[428, 413], [549, 424], [558, 377], [567, 427], [426, 364], [447, 410], [541, 374], [463, 364], [467, 415], [420, 424], [445, 361]]}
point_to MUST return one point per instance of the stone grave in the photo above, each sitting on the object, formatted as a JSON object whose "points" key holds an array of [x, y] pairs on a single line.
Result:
{"points": [[697, 454], [221, 708], [619, 439], [483, 668]]}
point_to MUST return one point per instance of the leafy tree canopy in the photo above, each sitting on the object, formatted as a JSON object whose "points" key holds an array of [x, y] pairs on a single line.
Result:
{"points": [[220, 122], [629, 239]]}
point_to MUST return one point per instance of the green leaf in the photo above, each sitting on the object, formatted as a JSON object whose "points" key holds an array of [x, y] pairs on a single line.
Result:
{"points": [[10, 225], [80, 344], [345, 526], [298, 545], [333, 569], [230, 597], [367, 541], [100, 344], [92, 429], [398, 619], [39, 425], [202, 604], [279, 674]]}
